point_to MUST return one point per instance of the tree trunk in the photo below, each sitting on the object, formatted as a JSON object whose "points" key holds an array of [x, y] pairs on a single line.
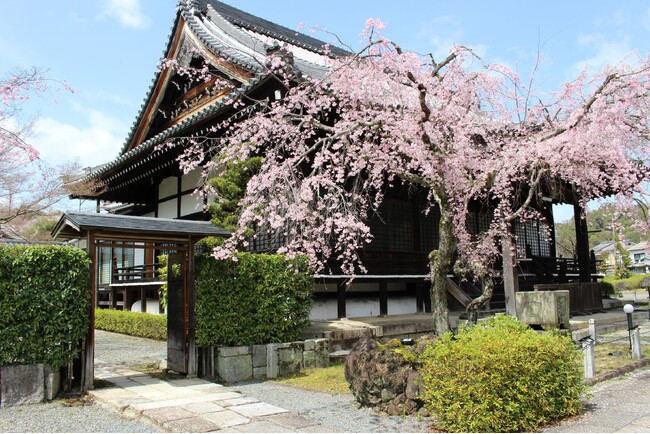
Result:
{"points": [[480, 301], [440, 264]]}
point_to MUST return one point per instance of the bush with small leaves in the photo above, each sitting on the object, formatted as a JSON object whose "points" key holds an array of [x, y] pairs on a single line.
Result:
{"points": [[139, 324], [501, 376], [44, 303]]}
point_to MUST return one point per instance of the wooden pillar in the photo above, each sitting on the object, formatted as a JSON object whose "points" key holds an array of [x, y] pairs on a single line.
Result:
{"points": [[582, 243], [143, 299], [510, 275], [419, 297], [192, 360], [340, 299], [88, 350], [383, 298]]}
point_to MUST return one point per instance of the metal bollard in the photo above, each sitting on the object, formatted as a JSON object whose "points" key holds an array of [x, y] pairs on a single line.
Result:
{"points": [[589, 356]]}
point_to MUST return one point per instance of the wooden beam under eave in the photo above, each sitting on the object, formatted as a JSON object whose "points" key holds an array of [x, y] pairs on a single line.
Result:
{"points": [[184, 114], [158, 93]]}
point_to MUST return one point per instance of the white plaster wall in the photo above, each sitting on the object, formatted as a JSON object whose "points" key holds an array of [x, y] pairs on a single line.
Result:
{"points": [[168, 187], [191, 180], [151, 306], [167, 209], [190, 204], [355, 308]]}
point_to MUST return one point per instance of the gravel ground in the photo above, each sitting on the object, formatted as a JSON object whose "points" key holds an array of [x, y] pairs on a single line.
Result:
{"points": [[85, 415], [338, 412], [68, 416]]}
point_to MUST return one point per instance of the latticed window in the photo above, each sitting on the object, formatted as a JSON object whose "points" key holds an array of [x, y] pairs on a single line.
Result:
{"points": [[533, 238], [267, 241], [429, 234], [477, 222], [392, 227]]}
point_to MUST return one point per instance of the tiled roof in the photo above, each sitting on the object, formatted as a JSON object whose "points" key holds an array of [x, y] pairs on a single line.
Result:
{"points": [[16, 241], [144, 225], [268, 28], [196, 14]]}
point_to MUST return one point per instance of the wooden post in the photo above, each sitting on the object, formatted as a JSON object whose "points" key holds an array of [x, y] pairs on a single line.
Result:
{"points": [[143, 299], [340, 296], [192, 361], [419, 297], [510, 276], [88, 352], [582, 243], [383, 298]]}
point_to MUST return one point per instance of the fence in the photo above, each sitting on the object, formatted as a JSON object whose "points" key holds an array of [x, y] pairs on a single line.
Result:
{"points": [[626, 344]]}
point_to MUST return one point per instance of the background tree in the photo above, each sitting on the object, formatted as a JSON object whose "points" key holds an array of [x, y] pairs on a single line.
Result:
{"points": [[464, 131], [609, 222], [28, 185]]}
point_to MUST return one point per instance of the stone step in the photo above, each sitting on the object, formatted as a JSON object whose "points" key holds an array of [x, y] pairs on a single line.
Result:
{"points": [[337, 356]]}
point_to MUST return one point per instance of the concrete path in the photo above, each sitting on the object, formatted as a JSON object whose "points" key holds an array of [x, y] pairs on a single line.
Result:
{"points": [[194, 405], [618, 405]]}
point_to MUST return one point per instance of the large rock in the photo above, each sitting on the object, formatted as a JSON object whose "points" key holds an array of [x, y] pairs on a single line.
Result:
{"points": [[383, 379]]}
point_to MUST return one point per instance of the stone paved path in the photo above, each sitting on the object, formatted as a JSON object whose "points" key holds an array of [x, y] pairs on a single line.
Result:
{"points": [[194, 405]]}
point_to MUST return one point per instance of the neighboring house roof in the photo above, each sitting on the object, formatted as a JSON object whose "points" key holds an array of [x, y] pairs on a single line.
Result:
{"points": [[604, 247], [17, 241], [72, 224], [638, 247]]}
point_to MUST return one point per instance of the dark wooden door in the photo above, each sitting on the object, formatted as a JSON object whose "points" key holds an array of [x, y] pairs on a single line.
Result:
{"points": [[177, 342]]}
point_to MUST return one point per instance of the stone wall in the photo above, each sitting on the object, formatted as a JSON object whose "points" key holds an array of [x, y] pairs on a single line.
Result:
{"points": [[233, 364], [28, 384]]}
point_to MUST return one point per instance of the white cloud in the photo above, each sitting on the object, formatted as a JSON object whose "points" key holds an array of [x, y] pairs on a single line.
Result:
{"points": [[443, 34], [127, 12], [95, 140], [605, 51]]}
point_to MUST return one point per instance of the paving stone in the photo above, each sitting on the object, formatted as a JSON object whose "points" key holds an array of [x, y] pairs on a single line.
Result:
{"points": [[262, 426], [113, 393], [203, 407], [238, 401], [162, 415], [189, 400], [184, 382], [290, 420], [146, 380], [193, 424], [257, 409], [226, 418]]}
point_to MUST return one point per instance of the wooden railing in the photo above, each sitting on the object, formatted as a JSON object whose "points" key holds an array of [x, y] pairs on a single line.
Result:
{"points": [[136, 273], [553, 269]]}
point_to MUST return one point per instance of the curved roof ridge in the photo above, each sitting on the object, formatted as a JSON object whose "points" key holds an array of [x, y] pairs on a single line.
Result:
{"points": [[167, 133]]}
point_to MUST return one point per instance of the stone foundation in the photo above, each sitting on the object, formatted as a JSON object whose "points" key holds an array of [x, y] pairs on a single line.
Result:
{"points": [[234, 364], [28, 384]]}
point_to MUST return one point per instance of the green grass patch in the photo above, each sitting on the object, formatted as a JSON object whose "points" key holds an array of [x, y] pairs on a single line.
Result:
{"points": [[328, 380], [632, 282], [611, 356]]}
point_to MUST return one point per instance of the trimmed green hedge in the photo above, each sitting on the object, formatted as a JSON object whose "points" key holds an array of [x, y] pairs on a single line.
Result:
{"points": [[257, 299], [44, 303], [142, 325], [501, 377]]}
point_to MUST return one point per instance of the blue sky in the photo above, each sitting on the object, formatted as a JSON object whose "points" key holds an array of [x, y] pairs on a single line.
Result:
{"points": [[108, 49]]}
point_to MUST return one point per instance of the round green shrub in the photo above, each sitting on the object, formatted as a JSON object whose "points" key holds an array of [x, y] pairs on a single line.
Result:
{"points": [[501, 376]]}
